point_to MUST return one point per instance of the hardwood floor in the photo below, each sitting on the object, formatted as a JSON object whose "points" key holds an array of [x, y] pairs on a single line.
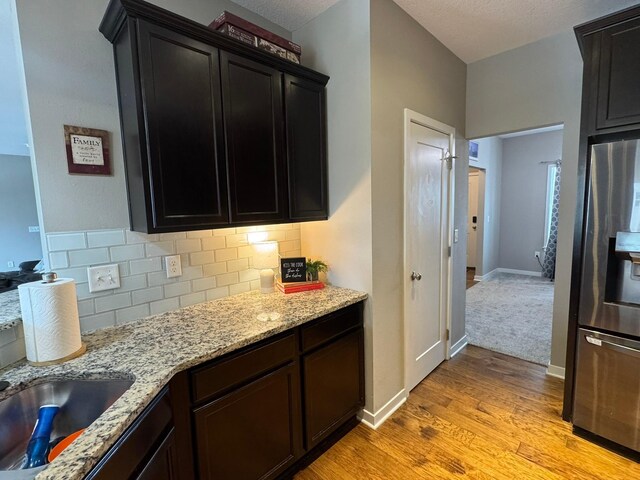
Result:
{"points": [[481, 415]]}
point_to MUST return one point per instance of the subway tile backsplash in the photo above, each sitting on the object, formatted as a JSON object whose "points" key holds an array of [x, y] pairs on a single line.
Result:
{"points": [[215, 264]]}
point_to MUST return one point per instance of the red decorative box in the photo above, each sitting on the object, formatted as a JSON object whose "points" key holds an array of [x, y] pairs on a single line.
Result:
{"points": [[241, 29]]}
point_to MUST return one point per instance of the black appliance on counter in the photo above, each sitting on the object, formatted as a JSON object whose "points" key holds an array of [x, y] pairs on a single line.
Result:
{"points": [[607, 378]]}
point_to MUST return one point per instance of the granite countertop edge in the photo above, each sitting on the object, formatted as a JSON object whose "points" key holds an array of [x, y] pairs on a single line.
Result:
{"points": [[152, 350], [10, 314]]}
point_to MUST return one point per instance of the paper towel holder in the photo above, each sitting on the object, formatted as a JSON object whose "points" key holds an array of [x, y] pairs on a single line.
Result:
{"points": [[49, 277]]}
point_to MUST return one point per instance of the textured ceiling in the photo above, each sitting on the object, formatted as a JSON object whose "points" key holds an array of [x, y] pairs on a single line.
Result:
{"points": [[472, 29]]}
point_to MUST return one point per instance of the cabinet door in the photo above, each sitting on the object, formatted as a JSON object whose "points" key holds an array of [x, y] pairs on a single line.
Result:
{"points": [[253, 432], [619, 89], [253, 118], [333, 386], [183, 115], [162, 465], [306, 149]]}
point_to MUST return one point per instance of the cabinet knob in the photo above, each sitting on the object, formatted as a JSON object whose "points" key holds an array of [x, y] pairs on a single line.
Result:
{"points": [[416, 276]]}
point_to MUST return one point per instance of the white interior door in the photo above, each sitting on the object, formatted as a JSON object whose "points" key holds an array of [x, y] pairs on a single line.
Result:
{"points": [[472, 226], [427, 199]]}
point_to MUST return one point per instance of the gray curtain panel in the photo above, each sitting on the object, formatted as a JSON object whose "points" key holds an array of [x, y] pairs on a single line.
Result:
{"points": [[549, 265]]}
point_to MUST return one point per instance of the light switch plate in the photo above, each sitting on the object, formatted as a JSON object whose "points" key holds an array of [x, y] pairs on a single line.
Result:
{"points": [[104, 277]]}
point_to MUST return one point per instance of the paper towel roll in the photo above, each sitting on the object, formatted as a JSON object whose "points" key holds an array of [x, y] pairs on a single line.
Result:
{"points": [[50, 320]]}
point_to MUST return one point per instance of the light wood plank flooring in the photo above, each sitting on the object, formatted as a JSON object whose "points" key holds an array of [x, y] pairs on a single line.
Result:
{"points": [[481, 415]]}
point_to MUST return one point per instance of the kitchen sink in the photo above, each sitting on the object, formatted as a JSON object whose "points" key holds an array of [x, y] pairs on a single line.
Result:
{"points": [[81, 402]]}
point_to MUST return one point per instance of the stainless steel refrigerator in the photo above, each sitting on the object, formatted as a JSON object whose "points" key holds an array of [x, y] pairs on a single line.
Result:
{"points": [[607, 377]]}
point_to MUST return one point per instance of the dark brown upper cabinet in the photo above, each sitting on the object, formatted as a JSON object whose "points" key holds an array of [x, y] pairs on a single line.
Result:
{"points": [[305, 114], [215, 133], [252, 99], [180, 82], [611, 51]]}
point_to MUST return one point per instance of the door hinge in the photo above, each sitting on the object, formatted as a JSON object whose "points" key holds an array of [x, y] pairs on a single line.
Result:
{"points": [[449, 250], [448, 334]]}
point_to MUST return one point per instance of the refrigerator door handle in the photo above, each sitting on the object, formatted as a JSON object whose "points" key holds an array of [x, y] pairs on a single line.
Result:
{"points": [[613, 346]]}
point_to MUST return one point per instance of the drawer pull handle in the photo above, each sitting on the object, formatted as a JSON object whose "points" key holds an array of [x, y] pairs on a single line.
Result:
{"points": [[613, 346]]}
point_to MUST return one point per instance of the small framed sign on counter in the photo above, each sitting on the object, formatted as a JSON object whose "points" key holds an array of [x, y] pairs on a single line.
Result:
{"points": [[293, 269], [87, 150]]}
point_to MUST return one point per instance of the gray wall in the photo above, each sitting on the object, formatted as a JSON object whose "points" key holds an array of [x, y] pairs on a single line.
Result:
{"points": [[70, 79], [524, 192], [536, 85], [13, 124], [489, 160], [17, 212], [366, 104], [337, 43], [411, 69]]}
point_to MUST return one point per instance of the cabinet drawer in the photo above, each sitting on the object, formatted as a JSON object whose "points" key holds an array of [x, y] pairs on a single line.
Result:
{"points": [[209, 381], [331, 326]]}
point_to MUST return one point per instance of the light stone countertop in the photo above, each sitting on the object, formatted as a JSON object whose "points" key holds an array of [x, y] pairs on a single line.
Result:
{"points": [[154, 349], [10, 314]]}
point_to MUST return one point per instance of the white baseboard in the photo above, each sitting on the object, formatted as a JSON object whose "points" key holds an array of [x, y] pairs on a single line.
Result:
{"points": [[555, 371], [374, 420], [486, 276], [519, 272], [458, 346]]}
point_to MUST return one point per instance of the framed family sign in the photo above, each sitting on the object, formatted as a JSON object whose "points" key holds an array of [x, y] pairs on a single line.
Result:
{"points": [[88, 150]]}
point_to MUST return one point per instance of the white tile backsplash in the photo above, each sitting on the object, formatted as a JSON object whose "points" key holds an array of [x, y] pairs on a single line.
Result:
{"points": [[188, 245], [146, 266], [165, 305], [105, 238], [225, 254], [126, 315], [113, 302], [66, 241], [177, 289], [58, 260], [213, 243], [91, 256], [215, 264], [127, 252]]}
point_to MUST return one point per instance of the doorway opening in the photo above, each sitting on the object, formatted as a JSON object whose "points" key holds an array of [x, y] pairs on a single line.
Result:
{"points": [[475, 223], [514, 192]]}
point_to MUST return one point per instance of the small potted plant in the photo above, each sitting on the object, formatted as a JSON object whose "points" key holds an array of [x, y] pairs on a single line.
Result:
{"points": [[314, 267]]}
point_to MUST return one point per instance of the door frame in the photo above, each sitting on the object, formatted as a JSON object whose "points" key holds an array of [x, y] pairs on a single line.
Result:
{"points": [[411, 116]]}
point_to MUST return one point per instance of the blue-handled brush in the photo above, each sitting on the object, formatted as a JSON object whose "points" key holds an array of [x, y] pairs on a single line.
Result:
{"points": [[39, 443]]}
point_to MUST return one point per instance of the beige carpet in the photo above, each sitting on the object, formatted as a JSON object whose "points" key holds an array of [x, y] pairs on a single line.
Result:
{"points": [[512, 314]]}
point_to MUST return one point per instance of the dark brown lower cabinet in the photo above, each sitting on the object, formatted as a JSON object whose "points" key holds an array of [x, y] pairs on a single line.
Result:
{"points": [[253, 432], [254, 414], [146, 450], [332, 386], [162, 465]]}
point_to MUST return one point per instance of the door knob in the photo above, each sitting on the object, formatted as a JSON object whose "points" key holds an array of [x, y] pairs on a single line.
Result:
{"points": [[415, 276]]}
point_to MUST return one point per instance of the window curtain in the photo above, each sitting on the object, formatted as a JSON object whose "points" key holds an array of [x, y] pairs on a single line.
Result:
{"points": [[549, 265]]}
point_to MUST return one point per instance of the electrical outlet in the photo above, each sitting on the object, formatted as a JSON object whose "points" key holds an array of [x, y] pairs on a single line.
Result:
{"points": [[536, 254], [104, 277], [11, 264], [173, 266]]}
